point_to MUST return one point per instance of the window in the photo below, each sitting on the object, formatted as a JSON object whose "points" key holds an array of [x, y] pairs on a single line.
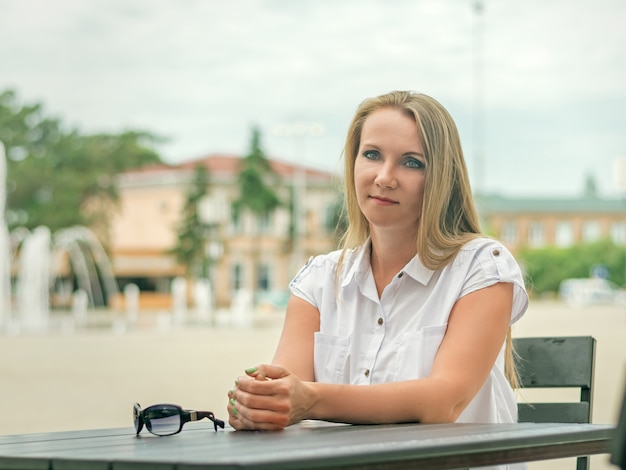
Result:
{"points": [[564, 234], [235, 220], [264, 223], [509, 233], [536, 234], [618, 233], [591, 231], [237, 280], [263, 277]]}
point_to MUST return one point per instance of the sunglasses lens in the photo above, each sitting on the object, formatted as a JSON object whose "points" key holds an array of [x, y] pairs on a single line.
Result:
{"points": [[162, 420], [137, 417]]}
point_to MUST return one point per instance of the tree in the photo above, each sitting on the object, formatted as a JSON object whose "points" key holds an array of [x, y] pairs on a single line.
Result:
{"points": [[256, 194], [61, 178], [545, 268], [591, 187], [256, 181], [338, 219], [190, 249]]}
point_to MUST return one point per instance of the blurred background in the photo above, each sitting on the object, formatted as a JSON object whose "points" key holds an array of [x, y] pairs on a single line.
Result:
{"points": [[166, 168]]}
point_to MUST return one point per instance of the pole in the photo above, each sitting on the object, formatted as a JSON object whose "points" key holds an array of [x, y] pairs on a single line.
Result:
{"points": [[478, 95]]}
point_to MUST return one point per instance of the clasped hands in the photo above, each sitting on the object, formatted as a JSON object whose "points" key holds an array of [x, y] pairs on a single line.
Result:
{"points": [[269, 397]]}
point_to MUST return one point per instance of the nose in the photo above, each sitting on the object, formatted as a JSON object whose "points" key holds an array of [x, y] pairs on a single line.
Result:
{"points": [[386, 177]]}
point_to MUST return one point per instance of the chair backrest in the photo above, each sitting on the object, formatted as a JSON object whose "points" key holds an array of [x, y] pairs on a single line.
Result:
{"points": [[556, 362], [618, 444]]}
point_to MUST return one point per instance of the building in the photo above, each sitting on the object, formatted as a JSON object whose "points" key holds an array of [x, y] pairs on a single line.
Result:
{"points": [[257, 254], [560, 222]]}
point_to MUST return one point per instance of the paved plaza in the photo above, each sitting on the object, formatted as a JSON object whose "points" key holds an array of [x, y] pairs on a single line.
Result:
{"points": [[89, 378]]}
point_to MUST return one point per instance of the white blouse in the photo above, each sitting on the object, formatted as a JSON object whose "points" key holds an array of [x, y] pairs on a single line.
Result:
{"points": [[364, 339]]}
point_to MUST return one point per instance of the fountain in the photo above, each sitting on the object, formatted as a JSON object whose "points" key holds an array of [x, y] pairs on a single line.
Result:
{"points": [[33, 292], [70, 271], [46, 264], [89, 261]]}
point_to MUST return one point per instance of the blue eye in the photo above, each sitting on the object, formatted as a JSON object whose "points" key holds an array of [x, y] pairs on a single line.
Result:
{"points": [[414, 163], [371, 154]]}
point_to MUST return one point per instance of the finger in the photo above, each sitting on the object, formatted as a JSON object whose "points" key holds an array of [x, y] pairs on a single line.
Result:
{"points": [[245, 425], [256, 373], [255, 386], [234, 418], [272, 372], [238, 421], [273, 388], [252, 419], [273, 403]]}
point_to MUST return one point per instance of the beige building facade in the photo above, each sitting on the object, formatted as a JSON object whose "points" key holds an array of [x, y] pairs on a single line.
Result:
{"points": [[253, 253]]}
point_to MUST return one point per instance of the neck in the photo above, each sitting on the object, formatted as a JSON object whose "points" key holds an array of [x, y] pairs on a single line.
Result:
{"points": [[388, 256]]}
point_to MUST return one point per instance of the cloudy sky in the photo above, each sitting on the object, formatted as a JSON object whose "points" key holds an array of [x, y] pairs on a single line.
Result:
{"points": [[537, 87]]}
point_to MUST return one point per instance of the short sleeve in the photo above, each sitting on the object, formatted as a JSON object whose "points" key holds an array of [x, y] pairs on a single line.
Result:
{"points": [[302, 284], [316, 280], [492, 263]]}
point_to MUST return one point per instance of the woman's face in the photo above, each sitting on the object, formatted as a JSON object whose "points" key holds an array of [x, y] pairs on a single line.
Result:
{"points": [[390, 171]]}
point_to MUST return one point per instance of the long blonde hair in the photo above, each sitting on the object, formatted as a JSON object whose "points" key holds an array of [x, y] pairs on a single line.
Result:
{"points": [[449, 218]]}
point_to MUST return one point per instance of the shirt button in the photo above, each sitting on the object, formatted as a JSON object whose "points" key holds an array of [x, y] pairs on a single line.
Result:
{"points": [[367, 372], [400, 275], [496, 252], [380, 321]]}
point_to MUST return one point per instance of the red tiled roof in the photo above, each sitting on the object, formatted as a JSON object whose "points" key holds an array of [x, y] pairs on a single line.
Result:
{"points": [[230, 164]]}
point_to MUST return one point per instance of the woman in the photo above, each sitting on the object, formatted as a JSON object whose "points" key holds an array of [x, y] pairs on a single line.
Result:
{"points": [[410, 321]]}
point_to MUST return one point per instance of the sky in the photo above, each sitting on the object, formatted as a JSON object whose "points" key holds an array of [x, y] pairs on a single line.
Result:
{"points": [[537, 87]]}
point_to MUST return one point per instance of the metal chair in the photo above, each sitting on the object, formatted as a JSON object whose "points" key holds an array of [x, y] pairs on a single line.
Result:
{"points": [[557, 362], [618, 444]]}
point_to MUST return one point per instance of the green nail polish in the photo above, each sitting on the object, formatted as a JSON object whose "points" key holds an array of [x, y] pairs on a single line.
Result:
{"points": [[234, 410], [232, 401], [236, 382], [251, 370]]}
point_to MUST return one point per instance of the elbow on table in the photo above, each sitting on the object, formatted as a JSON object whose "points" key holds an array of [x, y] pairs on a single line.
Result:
{"points": [[443, 407], [441, 415], [441, 400]]}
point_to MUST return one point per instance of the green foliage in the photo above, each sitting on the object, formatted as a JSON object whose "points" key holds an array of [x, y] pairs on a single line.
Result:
{"points": [[546, 267], [190, 249], [62, 178], [256, 181], [338, 219]]}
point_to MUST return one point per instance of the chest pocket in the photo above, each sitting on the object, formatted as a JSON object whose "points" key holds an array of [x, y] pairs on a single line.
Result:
{"points": [[331, 358], [416, 351]]}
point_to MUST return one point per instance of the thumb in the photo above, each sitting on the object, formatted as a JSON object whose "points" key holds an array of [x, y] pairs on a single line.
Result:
{"points": [[267, 371]]}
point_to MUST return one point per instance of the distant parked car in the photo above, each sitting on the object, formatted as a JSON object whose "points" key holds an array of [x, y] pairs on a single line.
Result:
{"points": [[587, 291]]}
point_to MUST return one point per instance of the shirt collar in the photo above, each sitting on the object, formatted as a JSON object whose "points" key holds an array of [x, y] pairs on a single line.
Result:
{"points": [[360, 267], [418, 271], [360, 263]]}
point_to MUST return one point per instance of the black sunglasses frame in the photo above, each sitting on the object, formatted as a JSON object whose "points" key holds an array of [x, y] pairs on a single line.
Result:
{"points": [[139, 417]]}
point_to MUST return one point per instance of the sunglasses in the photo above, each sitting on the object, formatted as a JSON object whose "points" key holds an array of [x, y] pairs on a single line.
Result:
{"points": [[165, 420]]}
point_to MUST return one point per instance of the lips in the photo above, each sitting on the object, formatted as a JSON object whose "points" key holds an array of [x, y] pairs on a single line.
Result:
{"points": [[383, 200]]}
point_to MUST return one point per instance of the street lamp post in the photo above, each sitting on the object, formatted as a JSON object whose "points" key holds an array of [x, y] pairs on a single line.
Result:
{"points": [[620, 182], [478, 92]]}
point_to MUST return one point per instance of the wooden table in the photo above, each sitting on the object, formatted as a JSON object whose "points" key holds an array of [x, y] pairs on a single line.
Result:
{"points": [[310, 444]]}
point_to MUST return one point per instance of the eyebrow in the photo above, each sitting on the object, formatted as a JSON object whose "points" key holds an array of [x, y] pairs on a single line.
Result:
{"points": [[376, 147], [418, 154]]}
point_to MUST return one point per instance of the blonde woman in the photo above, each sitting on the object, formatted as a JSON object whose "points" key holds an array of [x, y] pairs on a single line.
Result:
{"points": [[410, 320]]}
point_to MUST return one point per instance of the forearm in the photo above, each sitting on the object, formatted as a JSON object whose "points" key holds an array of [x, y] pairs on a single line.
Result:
{"points": [[424, 400]]}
